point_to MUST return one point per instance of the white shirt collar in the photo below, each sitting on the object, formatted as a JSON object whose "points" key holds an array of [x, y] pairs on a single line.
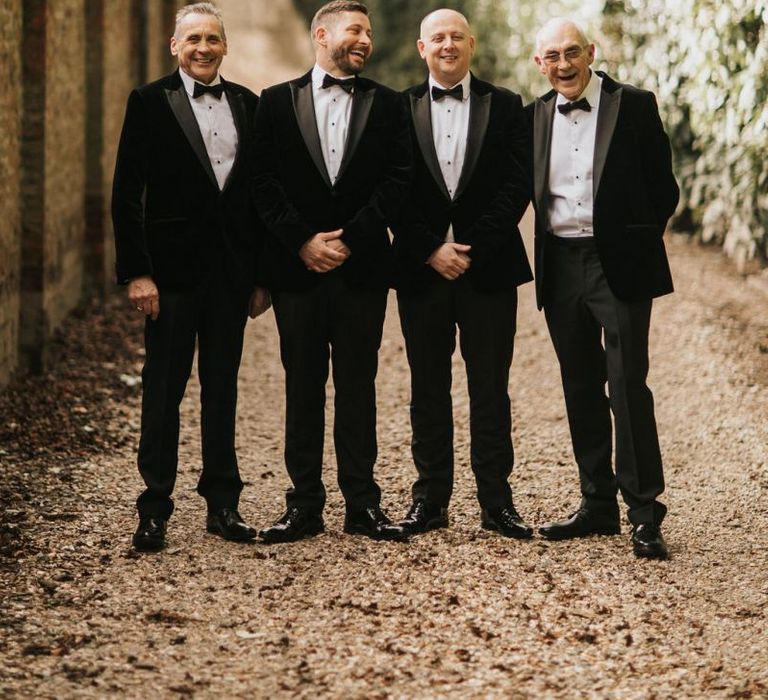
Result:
{"points": [[465, 82], [591, 92], [189, 82], [318, 74]]}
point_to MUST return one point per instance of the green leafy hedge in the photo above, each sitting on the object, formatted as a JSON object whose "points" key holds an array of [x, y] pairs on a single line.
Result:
{"points": [[707, 61]]}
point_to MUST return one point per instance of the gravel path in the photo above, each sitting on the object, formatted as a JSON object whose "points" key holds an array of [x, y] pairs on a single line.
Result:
{"points": [[455, 613]]}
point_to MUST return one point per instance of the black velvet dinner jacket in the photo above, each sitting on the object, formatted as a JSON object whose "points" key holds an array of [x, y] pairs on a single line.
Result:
{"points": [[171, 221], [635, 191], [492, 195], [294, 194]]}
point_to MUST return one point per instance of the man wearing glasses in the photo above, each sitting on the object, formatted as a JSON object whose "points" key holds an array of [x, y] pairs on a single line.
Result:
{"points": [[603, 193]]}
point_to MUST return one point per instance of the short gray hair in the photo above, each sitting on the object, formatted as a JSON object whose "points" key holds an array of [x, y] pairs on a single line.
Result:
{"points": [[199, 8]]}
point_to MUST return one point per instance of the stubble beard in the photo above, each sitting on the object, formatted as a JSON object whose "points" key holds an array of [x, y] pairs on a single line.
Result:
{"points": [[340, 57]]}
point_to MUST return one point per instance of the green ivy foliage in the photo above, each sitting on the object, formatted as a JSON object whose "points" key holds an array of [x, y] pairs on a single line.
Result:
{"points": [[707, 61]]}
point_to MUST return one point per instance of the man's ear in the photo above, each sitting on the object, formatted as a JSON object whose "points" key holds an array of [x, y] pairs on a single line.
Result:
{"points": [[421, 47], [174, 47]]}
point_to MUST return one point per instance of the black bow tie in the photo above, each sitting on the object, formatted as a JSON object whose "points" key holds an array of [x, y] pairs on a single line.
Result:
{"points": [[216, 90], [348, 85], [570, 106], [457, 92]]}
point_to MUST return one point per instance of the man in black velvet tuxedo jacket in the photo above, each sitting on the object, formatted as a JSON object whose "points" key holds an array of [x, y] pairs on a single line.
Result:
{"points": [[332, 165], [187, 248], [460, 260], [603, 192]]}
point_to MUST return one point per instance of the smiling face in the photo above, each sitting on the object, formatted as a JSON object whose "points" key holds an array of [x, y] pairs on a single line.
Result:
{"points": [[344, 43], [564, 56], [200, 46], [447, 46]]}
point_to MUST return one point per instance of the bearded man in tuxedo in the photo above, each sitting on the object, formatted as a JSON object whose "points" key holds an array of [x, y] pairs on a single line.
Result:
{"points": [[187, 246], [603, 193], [332, 164]]}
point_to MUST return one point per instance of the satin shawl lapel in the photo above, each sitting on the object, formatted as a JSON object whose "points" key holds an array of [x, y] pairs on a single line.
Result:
{"points": [[607, 113], [479, 113], [542, 147], [422, 124], [182, 110], [304, 107], [237, 107], [362, 101]]}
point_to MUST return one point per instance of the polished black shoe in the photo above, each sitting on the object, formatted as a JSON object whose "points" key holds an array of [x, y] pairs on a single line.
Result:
{"points": [[149, 535], [295, 524], [583, 523], [228, 524], [506, 521], [372, 523], [423, 516], [647, 542]]}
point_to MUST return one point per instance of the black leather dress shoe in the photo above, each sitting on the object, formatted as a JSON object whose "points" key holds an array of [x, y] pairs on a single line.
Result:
{"points": [[583, 523], [149, 535], [423, 516], [648, 542], [372, 523], [506, 521], [228, 524], [295, 524]]}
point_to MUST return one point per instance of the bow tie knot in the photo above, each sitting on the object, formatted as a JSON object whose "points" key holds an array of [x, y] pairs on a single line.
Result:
{"points": [[457, 92], [348, 84], [567, 107], [216, 90]]}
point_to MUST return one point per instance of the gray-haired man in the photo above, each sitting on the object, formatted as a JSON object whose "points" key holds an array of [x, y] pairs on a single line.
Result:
{"points": [[187, 248]]}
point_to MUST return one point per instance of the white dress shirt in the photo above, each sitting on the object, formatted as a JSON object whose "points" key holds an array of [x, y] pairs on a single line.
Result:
{"points": [[217, 127], [450, 126], [333, 107], [571, 166]]}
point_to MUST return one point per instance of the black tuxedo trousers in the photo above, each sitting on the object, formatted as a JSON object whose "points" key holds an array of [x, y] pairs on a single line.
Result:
{"points": [[213, 316], [486, 323], [342, 324], [600, 338]]}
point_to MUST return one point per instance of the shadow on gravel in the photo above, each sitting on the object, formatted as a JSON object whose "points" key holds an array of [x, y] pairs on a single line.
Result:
{"points": [[79, 407]]}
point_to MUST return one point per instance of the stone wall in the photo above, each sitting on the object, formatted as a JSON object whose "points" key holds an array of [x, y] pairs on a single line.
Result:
{"points": [[67, 69], [63, 160], [10, 224]]}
